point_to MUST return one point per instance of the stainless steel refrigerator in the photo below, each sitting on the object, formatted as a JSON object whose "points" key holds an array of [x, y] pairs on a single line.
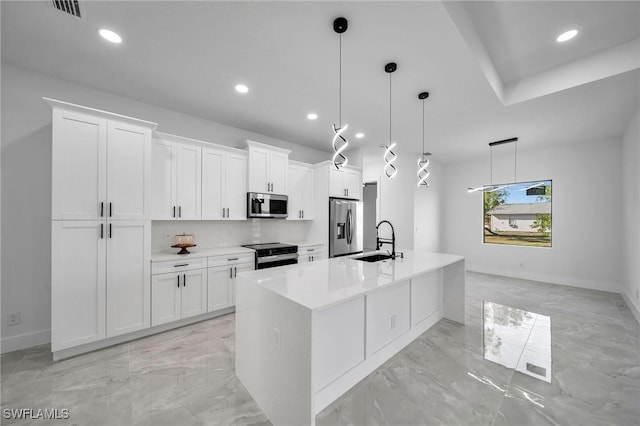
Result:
{"points": [[345, 227]]}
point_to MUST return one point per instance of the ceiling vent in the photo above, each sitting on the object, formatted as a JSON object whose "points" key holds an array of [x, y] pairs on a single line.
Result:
{"points": [[70, 7]]}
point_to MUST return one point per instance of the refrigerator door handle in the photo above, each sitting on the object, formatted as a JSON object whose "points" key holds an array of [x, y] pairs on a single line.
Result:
{"points": [[349, 226]]}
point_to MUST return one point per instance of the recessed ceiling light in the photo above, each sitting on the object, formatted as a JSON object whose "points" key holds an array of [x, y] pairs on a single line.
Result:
{"points": [[241, 88], [566, 36], [360, 135], [110, 36], [312, 116]]}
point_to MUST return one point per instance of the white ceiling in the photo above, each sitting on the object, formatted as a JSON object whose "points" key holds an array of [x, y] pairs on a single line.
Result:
{"points": [[187, 56]]}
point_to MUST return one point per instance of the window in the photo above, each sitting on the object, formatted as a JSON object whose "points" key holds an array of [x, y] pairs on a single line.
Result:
{"points": [[518, 214]]}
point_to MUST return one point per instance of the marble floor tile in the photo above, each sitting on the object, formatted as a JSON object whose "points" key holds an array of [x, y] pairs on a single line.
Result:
{"points": [[589, 340]]}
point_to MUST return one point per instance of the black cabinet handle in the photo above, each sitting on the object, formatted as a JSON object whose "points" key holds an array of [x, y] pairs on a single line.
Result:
{"points": [[182, 264], [110, 209], [230, 272], [223, 209], [101, 208], [184, 280], [178, 281], [235, 271], [233, 258], [101, 230], [179, 211], [227, 212], [110, 231], [174, 211], [303, 214]]}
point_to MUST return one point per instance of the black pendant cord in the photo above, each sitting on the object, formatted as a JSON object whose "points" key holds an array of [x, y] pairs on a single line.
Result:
{"points": [[491, 163], [389, 109], [340, 84], [423, 129]]}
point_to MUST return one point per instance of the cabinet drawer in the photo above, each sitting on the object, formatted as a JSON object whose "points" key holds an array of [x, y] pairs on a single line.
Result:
{"points": [[319, 249], [387, 315], [230, 259], [178, 265]]}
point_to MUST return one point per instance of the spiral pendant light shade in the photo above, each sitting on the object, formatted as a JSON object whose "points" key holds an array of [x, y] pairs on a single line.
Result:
{"points": [[389, 157], [423, 161], [339, 143]]}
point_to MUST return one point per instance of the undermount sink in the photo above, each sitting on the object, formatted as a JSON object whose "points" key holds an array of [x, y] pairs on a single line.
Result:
{"points": [[374, 257]]}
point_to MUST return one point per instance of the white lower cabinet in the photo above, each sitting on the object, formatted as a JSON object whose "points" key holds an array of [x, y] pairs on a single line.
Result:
{"points": [[387, 315], [426, 294], [177, 295], [338, 341], [311, 253], [221, 280], [99, 280]]}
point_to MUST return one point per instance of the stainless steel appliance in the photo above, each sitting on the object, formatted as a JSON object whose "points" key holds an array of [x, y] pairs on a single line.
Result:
{"points": [[272, 206], [345, 227], [269, 255]]}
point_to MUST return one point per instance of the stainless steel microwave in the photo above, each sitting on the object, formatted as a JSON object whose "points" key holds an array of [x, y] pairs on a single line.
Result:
{"points": [[260, 205]]}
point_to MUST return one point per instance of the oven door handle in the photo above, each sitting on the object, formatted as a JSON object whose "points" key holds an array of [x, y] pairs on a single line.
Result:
{"points": [[275, 258]]}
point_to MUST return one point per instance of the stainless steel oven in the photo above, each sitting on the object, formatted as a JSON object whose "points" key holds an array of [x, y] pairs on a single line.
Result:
{"points": [[270, 255], [260, 205]]}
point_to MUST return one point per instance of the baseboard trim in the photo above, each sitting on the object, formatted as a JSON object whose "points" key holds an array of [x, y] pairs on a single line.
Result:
{"points": [[23, 341], [633, 307], [553, 279]]}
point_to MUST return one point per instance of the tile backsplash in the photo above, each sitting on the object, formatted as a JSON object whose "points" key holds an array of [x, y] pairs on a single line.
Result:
{"points": [[212, 233]]}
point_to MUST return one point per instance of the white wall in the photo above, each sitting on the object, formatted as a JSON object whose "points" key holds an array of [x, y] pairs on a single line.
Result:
{"points": [[26, 188], [587, 198], [428, 209], [631, 214]]}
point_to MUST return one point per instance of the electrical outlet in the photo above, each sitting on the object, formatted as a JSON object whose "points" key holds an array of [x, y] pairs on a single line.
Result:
{"points": [[393, 321], [14, 319], [167, 236]]}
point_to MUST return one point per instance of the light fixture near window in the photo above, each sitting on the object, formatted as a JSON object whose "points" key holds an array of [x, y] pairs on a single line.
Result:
{"points": [[492, 187], [339, 142], [389, 157], [423, 161]]}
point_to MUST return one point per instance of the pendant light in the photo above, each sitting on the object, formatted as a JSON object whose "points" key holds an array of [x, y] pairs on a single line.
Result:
{"points": [[389, 156], [339, 142], [423, 161], [492, 187]]}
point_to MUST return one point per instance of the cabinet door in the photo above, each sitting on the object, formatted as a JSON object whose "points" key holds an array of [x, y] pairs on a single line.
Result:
{"points": [[337, 187], [236, 186], [77, 283], [258, 177], [387, 315], [305, 193], [79, 166], [426, 295], [295, 207], [189, 179], [128, 273], [219, 288], [128, 171], [165, 298], [163, 182], [353, 183], [239, 268], [194, 292], [213, 182], [278, 171]]}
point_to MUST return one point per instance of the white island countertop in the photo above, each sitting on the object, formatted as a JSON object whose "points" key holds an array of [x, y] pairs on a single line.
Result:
{"points": [[326, 282]]}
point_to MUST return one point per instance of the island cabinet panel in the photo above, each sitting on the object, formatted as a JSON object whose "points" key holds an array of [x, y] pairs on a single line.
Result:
{"points": [[387, 315], [338, 341], [426, 296]]}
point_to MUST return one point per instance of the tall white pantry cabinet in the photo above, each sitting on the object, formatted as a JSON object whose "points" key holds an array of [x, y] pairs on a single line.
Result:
{"points": [[101, 227]]}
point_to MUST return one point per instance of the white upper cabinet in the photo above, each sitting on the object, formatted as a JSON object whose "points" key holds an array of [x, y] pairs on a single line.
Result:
{"points": [[224, 185], [268, 168], [300, 191], [100, 166], [177, 179], [345, 182]]}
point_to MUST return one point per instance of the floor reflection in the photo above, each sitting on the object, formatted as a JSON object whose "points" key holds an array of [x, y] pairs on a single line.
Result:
{"points": [[517, 339]]}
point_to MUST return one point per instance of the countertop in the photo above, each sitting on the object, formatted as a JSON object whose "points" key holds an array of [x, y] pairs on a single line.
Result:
{"points": [[196, 253], [326, 282]]}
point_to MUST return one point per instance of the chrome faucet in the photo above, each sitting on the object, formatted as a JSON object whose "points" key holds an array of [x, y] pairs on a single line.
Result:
{"points": [[381, 241]]}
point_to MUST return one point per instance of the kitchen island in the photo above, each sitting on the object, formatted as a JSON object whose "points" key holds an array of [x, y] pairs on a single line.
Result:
{"points": [[307, 333]]}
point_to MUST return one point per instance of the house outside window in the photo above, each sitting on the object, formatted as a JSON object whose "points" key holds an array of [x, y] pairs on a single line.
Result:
{"points": [[518, 214]]}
